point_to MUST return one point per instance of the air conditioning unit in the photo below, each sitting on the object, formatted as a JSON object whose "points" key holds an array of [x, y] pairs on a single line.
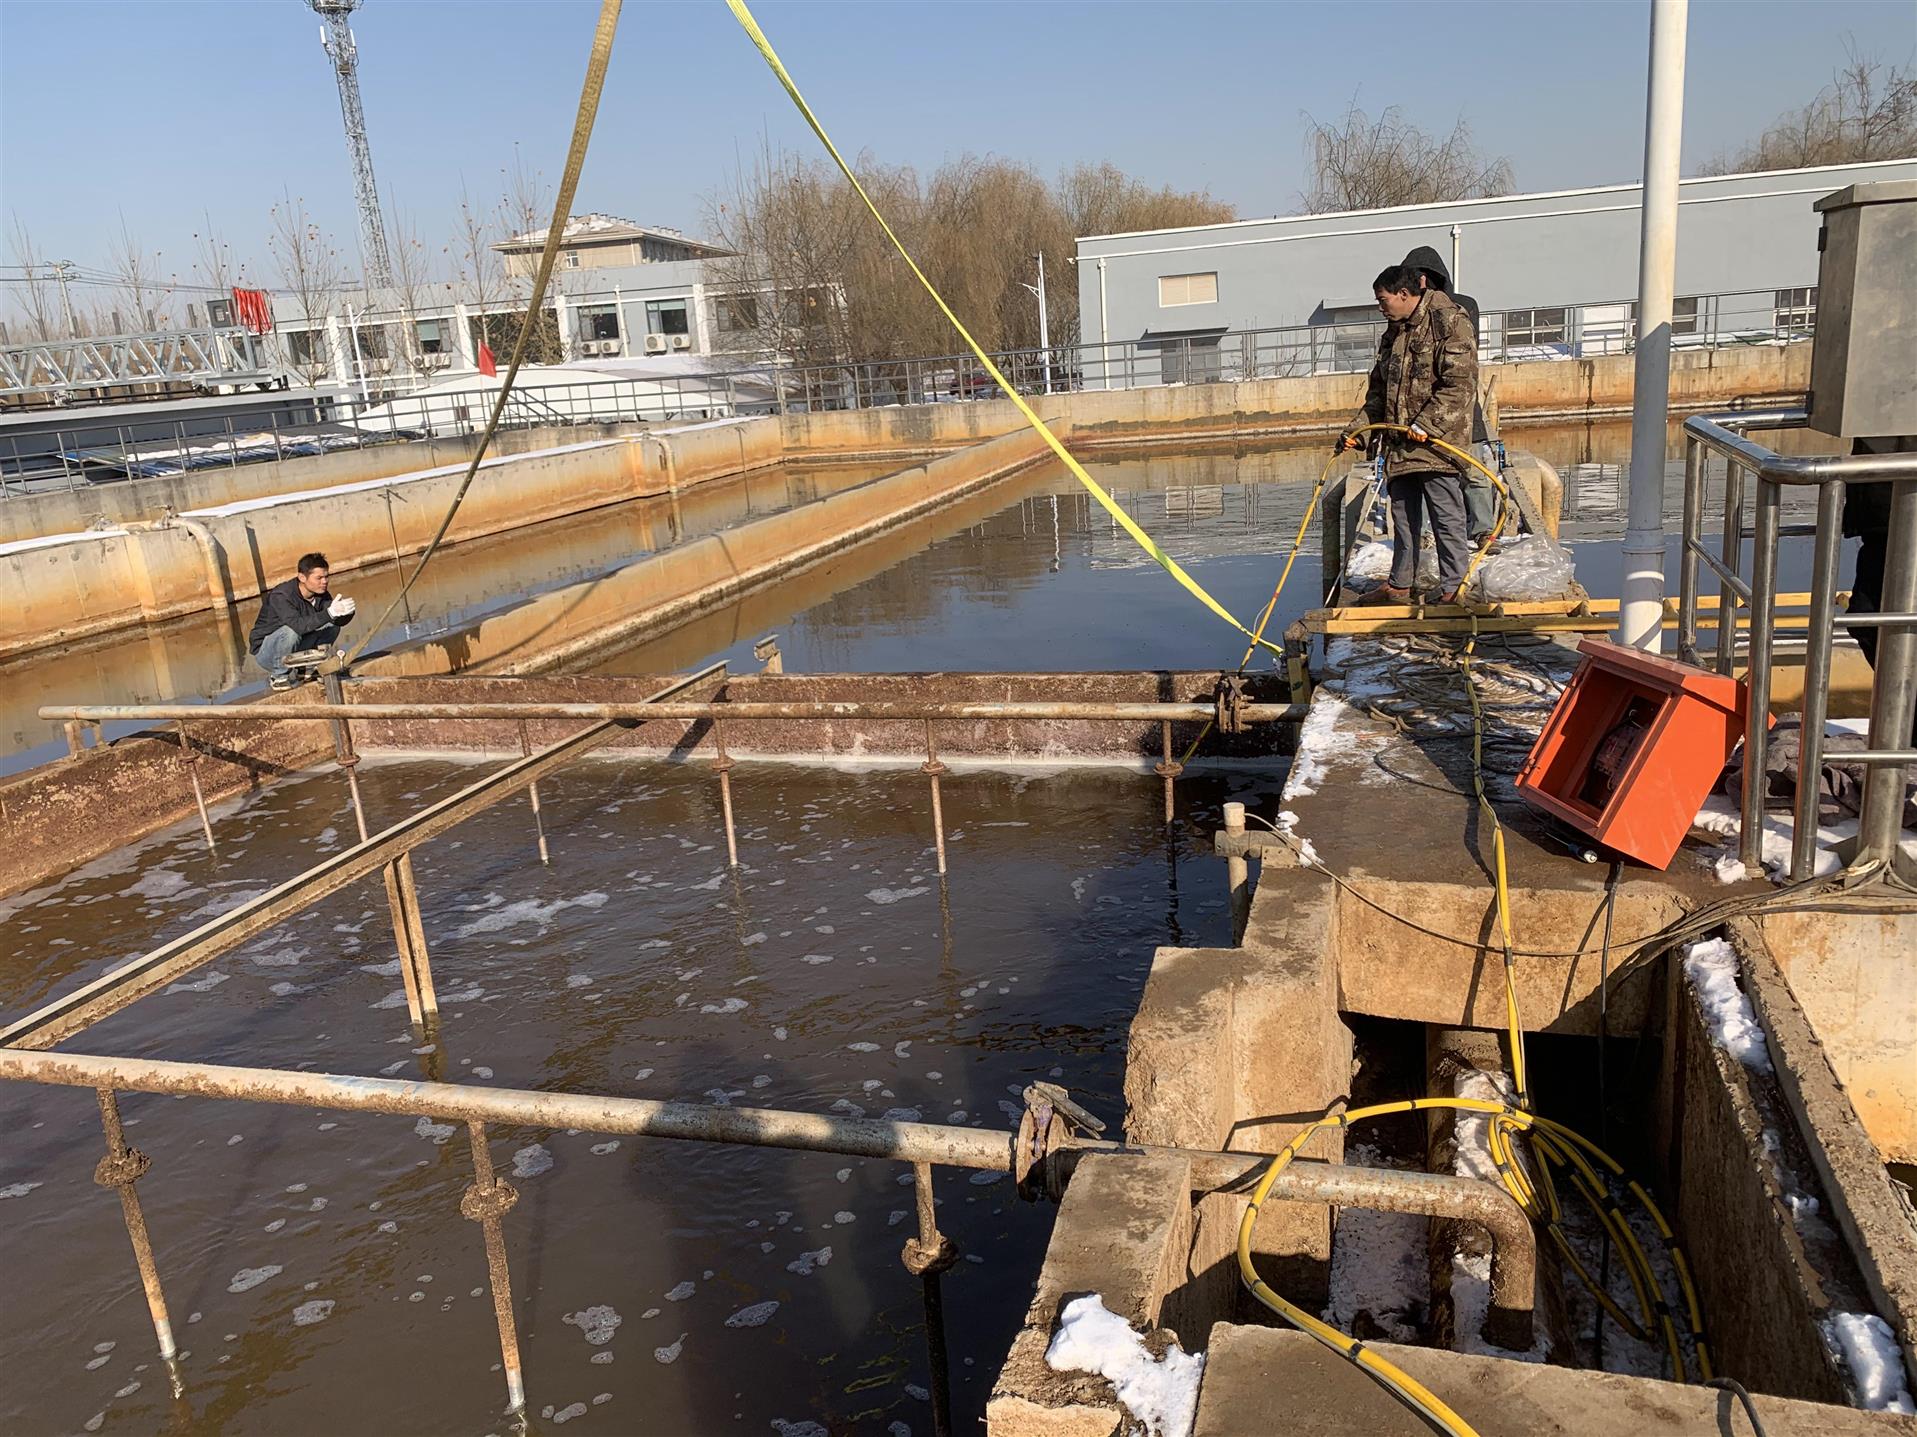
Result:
{"points": [[435, 361], [591, 346], [655, 344], [682, 341]]}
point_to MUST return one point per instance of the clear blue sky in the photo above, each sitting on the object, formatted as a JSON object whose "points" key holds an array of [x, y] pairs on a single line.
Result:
{"points": [[162, 109]]}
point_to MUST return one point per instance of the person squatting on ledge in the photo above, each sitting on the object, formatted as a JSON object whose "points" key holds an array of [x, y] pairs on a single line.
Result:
{"points": [[297, 618]]}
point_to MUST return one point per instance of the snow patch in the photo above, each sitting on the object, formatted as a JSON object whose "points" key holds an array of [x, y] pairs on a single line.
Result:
{"points": [[1160, 1393], [1711, 966], [1876, 1364]]}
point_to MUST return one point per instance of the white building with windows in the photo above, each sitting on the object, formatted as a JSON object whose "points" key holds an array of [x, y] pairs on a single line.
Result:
{"points": [[1554, 273]]}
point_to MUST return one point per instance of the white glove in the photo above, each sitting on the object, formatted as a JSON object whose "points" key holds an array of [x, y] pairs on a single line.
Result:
{"points": [[341, 608]]}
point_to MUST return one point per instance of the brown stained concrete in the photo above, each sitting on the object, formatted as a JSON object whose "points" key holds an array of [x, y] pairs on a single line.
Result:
{"points": [[1267, 1380], [1858, 1197], [1237, 1049], [1855, 976], [1122, 1230], [63, 814]]}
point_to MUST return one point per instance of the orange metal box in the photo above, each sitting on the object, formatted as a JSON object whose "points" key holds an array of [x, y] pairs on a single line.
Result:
{"points": [[1633, 748]]}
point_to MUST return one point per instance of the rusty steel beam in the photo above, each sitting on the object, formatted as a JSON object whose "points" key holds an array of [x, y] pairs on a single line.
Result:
{"points": [[69, 1014], [1465, 1199], [744, 710]]}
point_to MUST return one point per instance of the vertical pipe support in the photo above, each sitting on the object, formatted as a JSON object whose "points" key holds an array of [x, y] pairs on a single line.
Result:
{"points": [[926, 1256], [1687, 556], [488, 1200], [932, 768], [1758, 674], [1732, 542], [121, 1168], [191, 758], [1168, 768], [1820, 634], [722, 765], [1237, 873], [532, 794], [1640, 620], [1895, 687], [409, 938], [343, 752]]}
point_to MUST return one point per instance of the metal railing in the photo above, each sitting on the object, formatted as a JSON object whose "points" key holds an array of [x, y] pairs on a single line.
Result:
{"points": [[1894, 688], [222, 354]]}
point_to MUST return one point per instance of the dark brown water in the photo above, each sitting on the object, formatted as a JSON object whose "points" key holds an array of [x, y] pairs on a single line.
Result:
{"points": [[836, 974]]}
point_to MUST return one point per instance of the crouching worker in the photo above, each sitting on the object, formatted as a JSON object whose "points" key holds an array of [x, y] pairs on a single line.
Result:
{"points": [[299, 616], [1424, 378]]}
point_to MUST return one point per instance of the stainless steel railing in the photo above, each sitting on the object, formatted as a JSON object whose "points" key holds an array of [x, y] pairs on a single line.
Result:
{"points": [[1754, 483]]}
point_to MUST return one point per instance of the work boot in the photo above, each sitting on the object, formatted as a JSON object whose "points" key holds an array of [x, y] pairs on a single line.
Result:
{"points": [[1452, 598], [1383, 594], [280, 683]]}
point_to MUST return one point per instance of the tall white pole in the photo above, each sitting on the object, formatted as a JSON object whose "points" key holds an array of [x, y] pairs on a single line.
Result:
{"points": [[1641, 612], [1104, 331], [359, 364], [1044, 324]]}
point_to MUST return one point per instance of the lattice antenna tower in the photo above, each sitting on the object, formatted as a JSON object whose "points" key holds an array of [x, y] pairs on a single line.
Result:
{"points": [[336, 36]]}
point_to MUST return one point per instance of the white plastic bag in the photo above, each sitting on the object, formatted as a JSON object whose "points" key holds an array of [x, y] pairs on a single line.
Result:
{"points": [[1527, 570]]}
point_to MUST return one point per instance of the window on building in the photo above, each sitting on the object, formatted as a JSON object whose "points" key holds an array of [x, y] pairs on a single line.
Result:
{"points": [[737, 313], [598, 321], [1796, 310], [435, 335], [807, 308], [1352, 342], [667, 316], [569, 259], [1533, 326], [306, 347], [1190, 361], [1684, 317], [1187, 289]]}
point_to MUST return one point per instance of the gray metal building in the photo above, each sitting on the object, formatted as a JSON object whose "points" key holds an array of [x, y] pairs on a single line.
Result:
{"points": [[1554, 273]]}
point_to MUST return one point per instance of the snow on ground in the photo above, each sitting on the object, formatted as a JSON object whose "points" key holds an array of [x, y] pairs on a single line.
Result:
{"points": [[1379, 1265], [1162, 1393], [1870, 1353], [1711, 965]]}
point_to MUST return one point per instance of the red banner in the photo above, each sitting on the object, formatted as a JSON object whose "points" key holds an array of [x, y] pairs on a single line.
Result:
{"points": [[251, 308]]}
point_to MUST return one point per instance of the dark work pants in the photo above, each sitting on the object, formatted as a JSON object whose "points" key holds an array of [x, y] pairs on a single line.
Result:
{"points": [[1439, 494]]}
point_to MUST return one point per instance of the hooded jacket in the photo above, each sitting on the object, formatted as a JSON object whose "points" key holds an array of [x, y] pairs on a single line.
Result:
{"points": [[1432, 263], [1426, 373]]}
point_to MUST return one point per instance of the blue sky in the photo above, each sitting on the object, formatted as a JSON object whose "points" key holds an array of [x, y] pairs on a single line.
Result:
{"points": [[163, 109]]}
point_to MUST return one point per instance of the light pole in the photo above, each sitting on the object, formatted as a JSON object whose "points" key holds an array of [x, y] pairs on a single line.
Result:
{"points": [[1044, 322], [64, 268]]}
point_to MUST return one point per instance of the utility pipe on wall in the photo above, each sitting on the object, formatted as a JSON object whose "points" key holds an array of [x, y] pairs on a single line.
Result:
{"points": [[1641, 612]]}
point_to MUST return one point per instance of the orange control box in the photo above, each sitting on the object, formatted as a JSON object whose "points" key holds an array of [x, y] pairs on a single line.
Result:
{"points": [[1633, 748]]}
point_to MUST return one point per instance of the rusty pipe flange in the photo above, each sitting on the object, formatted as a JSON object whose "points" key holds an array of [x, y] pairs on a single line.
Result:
{"points": [[724, 763], [347, 760], [1168, 768], [1231, 698], [933, 767], [480, 1203], [923, 1261], [120, 1170]]}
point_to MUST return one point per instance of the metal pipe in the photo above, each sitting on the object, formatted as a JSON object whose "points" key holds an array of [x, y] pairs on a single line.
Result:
{"points": [[1686, 554], [532, 793], [723, 764], [1237, 873], [1817, 661], [192, 761], [1730, 587], [1894, 689], [943, 712], [1641, 614], [1386, 1190], [933, 768], [121, 1168], [488, 1200], [934, 1254], [1724, 435], [1757, 678]]}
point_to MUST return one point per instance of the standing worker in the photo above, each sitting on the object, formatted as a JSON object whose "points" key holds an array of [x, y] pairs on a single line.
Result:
{"points": [[1480, 495], [1424, 378], [298, 618]]}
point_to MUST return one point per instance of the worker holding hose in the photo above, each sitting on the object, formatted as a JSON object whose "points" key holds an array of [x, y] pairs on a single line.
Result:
{"points": [[1425, 378], [1480, 496]]}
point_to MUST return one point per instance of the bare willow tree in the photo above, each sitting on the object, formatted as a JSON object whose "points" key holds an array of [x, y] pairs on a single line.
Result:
{"points": [[414, 287], [1101, 199], [1361, 163], [1867, 112], [525, 208], [139, 283], [310, 271], [37, 294], [481, 276]]}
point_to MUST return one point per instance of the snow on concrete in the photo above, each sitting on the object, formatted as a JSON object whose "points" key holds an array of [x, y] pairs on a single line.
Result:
{"points": [[1711, 966], [1378, 1264], [1871, 1355], [1720, 815], [1161, 1393]]}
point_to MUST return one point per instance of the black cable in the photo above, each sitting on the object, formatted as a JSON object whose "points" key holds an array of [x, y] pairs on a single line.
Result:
{"points": [[1604, 1103], [1736, 1389]]}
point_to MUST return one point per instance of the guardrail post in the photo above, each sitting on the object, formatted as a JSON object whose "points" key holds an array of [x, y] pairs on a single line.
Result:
{"points": [[1733, 548], [933, 768], [1817, 657], [489, 1199], [1895, 687], [120, 1169], [926, 1256], [1758, 672], [1237, 873], [722, 765], [1168, 768], [532, 793], [190, 756], [1687, 554]]}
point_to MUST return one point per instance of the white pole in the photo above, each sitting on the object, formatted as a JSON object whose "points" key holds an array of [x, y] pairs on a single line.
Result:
{"points": [[359, 365], [1044, 324], [1457, 235], [1641, 611], [1104, 332]]}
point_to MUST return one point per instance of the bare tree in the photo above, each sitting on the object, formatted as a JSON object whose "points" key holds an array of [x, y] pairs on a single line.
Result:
{"points": [[37, 294], [1101, 199], [525, 208], [1361, 163], [477, 264], [414, 287], [1867, 112], [141, 287], [310, 271]]}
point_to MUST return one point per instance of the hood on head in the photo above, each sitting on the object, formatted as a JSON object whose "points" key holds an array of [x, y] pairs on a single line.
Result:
{"points": [[1426, 258]]}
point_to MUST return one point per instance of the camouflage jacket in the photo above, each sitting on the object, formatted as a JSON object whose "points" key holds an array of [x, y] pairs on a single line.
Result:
{"points": [[1426, 373]]}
